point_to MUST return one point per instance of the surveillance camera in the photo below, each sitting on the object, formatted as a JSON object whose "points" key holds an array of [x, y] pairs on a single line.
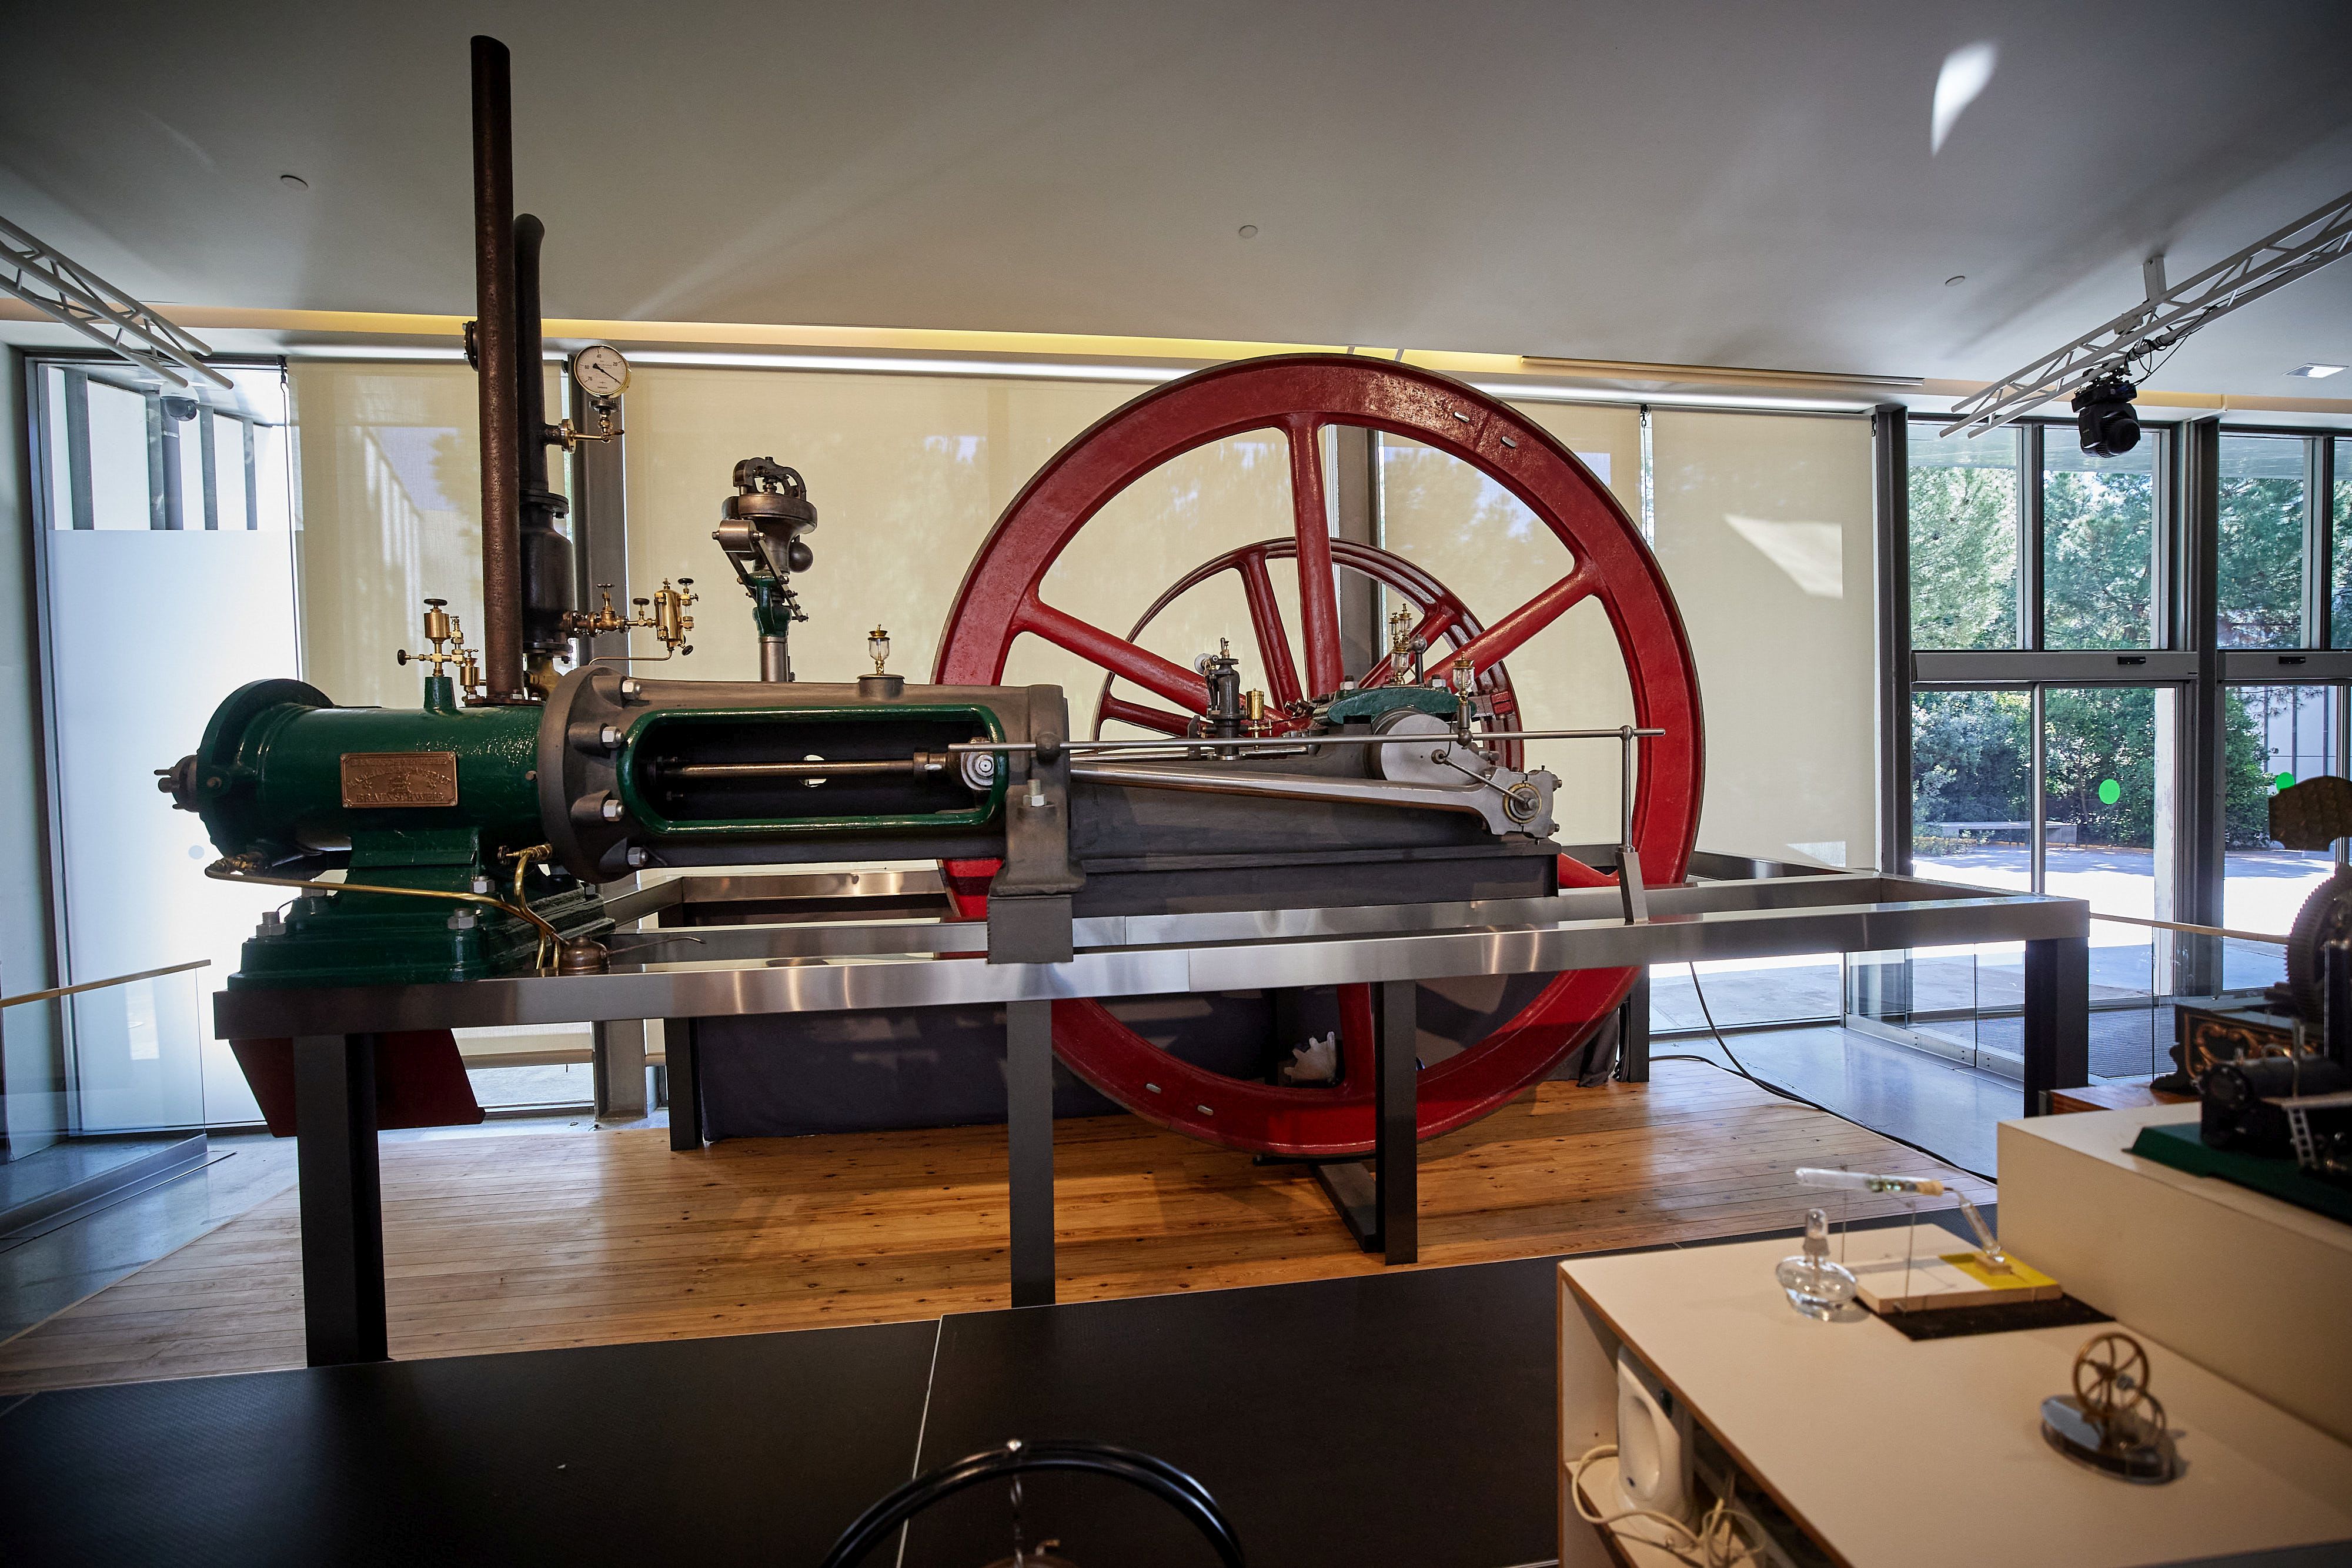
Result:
{"points": [[2105, 416]]}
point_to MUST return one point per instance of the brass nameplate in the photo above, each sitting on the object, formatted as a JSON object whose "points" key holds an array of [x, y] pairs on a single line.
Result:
{"points": [[400, 778]]}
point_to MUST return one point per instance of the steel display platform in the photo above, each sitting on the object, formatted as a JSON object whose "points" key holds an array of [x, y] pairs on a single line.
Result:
{"points": [[802, 957]]}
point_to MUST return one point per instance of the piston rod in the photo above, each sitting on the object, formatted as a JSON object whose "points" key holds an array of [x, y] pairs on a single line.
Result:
{"points": [[922, 762], [1295, 742]]}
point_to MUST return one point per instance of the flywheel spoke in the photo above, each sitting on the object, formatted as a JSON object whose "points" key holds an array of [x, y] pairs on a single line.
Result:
{"points": [[1318, 597], [1266, 620], [1145, 716], [1115, 653], [1501, 640]]}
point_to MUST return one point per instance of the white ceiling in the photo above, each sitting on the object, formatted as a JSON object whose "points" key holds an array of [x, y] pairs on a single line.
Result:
{"points": [[1746, 183]]}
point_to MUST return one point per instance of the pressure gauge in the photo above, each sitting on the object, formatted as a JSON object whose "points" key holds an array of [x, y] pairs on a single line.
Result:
{"points": [[600, 371]]}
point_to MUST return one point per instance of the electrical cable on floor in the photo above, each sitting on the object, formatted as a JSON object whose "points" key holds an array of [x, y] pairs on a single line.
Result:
{"points": [[1741, 1069]]}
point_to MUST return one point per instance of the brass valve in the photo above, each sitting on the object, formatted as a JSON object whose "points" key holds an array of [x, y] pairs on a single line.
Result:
{"points": [[569, 436], [664, 615], [1405, 650], [1253, 712], [670, 620], [441, 627]]}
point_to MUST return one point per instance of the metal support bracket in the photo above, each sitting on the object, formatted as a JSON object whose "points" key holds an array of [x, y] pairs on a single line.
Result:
{"points": [[1629, 887]]}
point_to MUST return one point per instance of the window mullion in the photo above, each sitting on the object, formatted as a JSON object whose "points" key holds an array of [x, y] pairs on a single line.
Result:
{"points": [[2319, 544], [2029, 517]]}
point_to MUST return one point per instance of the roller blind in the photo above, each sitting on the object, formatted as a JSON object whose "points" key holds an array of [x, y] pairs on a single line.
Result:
{"points": [[1764, 529], [1477, 539], [390, 473]]}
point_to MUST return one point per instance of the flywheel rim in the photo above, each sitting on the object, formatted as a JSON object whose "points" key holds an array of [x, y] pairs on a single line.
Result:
{"points": [[999, 601]]}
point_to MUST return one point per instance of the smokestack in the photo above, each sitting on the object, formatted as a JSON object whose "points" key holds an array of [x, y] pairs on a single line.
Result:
{"points": [[495, 361]]}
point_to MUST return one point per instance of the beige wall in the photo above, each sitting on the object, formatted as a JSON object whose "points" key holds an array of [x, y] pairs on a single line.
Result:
{"points": [[909, 474], [388, 463], [1477, 538], [1764, 529]]}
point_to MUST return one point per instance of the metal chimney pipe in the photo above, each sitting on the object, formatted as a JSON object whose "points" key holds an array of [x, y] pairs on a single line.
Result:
{"points": [[495, 361], [545, 560]]}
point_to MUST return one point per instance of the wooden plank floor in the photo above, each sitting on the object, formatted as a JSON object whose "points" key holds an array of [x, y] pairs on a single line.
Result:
{"points": [[525, 1242]]}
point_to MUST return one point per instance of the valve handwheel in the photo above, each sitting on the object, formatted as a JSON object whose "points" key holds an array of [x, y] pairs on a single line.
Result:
{"points": [[1299, 394]]}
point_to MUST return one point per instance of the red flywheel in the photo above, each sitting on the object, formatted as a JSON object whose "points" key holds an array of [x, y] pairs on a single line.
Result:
{"points": [[1299, 395]]}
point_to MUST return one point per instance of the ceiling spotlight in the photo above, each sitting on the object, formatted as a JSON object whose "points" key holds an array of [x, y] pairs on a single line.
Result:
{"points": [[294, 182], [1249, 230], [2104, 415], [2316, 372]]}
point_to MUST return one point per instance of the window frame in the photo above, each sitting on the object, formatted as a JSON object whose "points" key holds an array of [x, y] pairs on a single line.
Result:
{"points": [[2185, 627]]}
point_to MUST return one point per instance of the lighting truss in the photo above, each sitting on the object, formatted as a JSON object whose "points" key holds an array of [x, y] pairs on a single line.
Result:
{"points": [[58, 289], [2165, 319]]}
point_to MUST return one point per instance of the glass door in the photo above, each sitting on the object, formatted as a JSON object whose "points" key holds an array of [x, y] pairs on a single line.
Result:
{"points": [[166, 567]]}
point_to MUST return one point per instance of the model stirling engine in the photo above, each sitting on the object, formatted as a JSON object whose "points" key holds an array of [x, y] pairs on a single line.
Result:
{"points": [[472, 832], [2297, 1103]]}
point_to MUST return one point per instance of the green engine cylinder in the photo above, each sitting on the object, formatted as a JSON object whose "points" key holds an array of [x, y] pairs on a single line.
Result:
{"points": [[439, 801]]}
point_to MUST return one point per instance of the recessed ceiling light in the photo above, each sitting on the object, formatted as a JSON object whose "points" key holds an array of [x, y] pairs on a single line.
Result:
{"points": [[294, 182], [1958, 277], [2316, 372], [1249, 230]]}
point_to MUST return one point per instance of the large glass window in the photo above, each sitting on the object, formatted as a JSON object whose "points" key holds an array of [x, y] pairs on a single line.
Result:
{"points": [[1971, 782], [2261, 553], [153, 497], [2098, 546], [2108, 826], [2273, 737], [1964, 531]]}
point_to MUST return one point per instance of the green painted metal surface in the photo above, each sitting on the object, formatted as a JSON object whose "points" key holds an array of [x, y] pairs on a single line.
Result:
{"points": [[640, 746], [1375, 701], [270, 788]]}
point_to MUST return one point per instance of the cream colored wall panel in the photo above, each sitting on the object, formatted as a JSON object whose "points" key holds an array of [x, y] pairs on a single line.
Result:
{"points": [[1479, 540], [908, 473], [1763, 523], [1764, 529], [390, 479]]}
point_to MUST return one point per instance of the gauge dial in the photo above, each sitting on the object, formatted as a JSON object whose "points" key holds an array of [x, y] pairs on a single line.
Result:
{"points": [[600, 371]]}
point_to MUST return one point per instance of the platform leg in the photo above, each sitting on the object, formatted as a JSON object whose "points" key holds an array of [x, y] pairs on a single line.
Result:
{"points": [[1396, 1166], [1029, 1140], [2057, 1017], [685, 1096], [1633, 1032], [620, 1069], [342, 1197]]}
